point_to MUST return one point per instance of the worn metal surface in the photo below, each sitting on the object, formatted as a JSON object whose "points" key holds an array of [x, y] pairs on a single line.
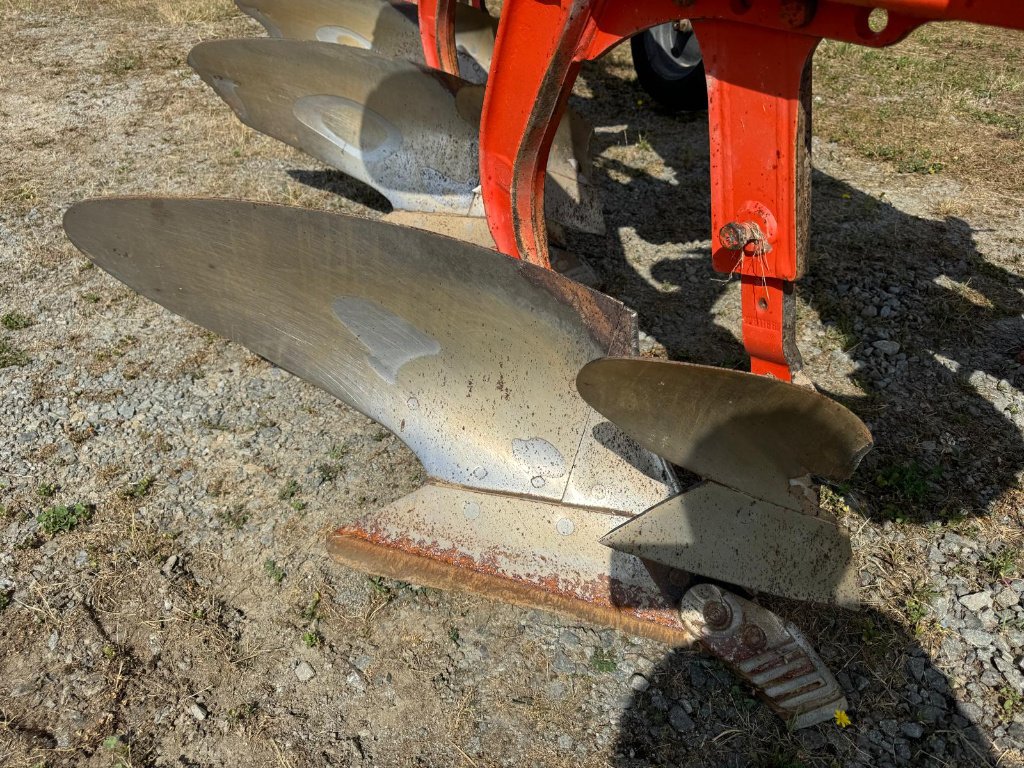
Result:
{"points": [[752, 433], [770, 654], [525, 550], [466, 355], [389, 28], [726, 535], [409, 132]]}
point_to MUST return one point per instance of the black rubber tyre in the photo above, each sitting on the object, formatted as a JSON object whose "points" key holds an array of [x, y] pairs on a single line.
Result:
{"points": [[670, 68]]}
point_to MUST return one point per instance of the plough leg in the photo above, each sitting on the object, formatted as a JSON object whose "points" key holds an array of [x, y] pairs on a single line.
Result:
{"points": [[526, 96], [760, 134], [437, 31]]}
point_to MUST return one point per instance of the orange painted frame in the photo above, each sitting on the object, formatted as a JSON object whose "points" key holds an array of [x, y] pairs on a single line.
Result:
{"points": [[757, 56]]}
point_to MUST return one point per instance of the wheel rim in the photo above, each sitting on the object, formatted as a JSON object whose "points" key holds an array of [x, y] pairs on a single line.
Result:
{"points": [[673, 54]]}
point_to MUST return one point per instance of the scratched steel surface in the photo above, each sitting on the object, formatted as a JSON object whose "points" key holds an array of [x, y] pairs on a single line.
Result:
{"points": [[752, 433], [730, 536], [389, 28], [468, 356], [518, 547], [409, 132]]}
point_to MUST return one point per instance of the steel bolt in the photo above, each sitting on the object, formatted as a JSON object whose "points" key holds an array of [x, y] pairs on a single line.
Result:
{"points": [[717, 614], [736, 234], [753, 637]]}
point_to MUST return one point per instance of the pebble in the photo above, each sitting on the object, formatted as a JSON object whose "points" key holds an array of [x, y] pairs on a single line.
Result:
{"points": [[978, 638], [681, 721], [887, 347], [639, 683], [977, 602], [913, 730], [198, 711], [304, 672], [168, 565], [1007, 598]]}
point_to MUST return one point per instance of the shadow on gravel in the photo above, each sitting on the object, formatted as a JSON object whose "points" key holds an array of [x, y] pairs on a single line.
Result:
{"points": [[927, 323], [925, 320], [903, 710]]}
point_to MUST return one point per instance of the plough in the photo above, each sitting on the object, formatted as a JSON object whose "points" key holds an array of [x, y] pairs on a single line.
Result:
{"points": [[548, 443]]}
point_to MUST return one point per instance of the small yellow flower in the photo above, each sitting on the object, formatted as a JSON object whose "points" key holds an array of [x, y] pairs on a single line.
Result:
{"points": [[842, 719]]}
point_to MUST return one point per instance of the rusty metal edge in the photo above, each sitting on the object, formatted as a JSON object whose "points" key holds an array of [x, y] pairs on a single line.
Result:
{"points": [[354, 546]]}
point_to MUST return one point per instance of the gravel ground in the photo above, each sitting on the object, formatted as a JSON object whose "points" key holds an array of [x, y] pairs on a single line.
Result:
{"points": [[165, 598]]}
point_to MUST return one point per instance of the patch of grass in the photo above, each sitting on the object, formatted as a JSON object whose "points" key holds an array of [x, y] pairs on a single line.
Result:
{"points": [[62, 518], [948, 99], [904, 488], [1004, 563], [46, 490], [244, 712], [234, 516], [15, 321], [193, 11], [5, 600], [274, 571], [917, 606], [288, 490], [311, 639], [329, 471], [310, 612], [120, 750], [11, 356], [603, 661], [122, 62], [1010, 702], [138, 490]]}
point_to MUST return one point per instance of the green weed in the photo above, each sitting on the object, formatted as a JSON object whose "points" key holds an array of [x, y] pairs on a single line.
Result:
{"points": [[602, 661], [15, 321], [11, 356], [61, 519], [139, 489], [274, 571]]}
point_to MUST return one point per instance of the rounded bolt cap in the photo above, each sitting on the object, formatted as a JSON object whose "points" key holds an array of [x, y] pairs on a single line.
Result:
{"points": [[717, 614], [753, 637]]}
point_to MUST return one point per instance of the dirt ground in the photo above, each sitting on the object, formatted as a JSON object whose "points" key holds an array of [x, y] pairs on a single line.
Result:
{"points": [[165, 598]]}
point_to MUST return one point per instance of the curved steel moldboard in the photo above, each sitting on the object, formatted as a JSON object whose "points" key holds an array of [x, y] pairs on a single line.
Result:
{"points": [[752, 433], [389, 28], [411, 133], [468, 356], [726, 535]]}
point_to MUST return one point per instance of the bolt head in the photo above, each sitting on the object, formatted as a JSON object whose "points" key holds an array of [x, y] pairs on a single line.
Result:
{"points": [[753, 637], [717, 614]]}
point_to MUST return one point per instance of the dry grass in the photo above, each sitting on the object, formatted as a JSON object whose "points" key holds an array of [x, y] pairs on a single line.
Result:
{"points": [[948, 100], [167, 11]]}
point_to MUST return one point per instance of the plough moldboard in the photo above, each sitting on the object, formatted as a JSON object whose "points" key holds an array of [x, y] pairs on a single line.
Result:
{"points": [[549, 444]]}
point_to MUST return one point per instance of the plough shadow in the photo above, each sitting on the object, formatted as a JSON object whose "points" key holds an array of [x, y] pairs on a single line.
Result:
{"points": [[942, 451], [931, 426]]}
